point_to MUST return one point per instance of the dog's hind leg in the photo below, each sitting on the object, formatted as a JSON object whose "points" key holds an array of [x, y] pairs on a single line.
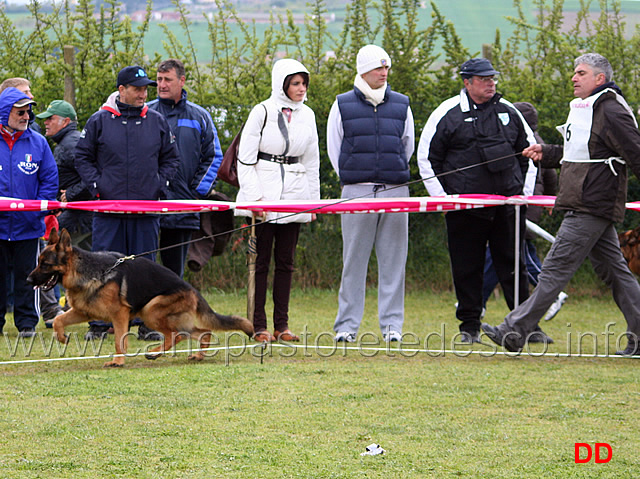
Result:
{"points": [[203, 337], [171, 338]]}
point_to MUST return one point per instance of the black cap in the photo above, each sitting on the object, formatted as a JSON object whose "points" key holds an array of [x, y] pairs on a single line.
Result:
{"points": [[135, 76], [477, 67]]}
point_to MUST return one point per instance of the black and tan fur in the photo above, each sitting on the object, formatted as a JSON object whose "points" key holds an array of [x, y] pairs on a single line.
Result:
{"points": [[630, 246], [136, 287]]}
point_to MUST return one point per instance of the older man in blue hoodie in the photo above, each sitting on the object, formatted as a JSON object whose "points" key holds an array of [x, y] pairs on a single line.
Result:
{"points": [[27, 171]]}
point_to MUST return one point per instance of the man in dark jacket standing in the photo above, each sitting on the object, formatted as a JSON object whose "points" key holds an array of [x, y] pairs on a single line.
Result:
{"points": [[200, 158], [472, 128], [127, 152], [61, 125], [370, 140], [601, 138], [28, 171]]}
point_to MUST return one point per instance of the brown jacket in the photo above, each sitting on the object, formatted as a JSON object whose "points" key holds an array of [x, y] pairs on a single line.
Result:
{"points": [[592, 187]]}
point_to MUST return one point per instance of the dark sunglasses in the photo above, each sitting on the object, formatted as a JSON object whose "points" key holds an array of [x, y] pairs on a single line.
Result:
{"points": [[22, 112]]}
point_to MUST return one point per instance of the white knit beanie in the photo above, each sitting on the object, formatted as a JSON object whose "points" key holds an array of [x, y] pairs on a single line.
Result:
{"points": [[371, 57]]}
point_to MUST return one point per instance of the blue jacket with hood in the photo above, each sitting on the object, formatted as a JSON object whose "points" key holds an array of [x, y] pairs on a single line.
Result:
{"points": [[27, 171], [200, 155]]}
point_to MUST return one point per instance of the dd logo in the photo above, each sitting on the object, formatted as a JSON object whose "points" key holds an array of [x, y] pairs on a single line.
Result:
{"points": [[589, 452]]}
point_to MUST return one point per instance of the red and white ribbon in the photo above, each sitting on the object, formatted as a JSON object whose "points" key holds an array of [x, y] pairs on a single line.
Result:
{"points": [[418, 204]]}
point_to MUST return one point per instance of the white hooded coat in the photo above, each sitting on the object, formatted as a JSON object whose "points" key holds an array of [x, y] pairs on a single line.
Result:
{"points": [[262, 180]]}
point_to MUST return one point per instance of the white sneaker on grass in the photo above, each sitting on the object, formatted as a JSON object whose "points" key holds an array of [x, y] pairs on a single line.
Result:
{"points": [[556, 305], [392, 336], [346, 337]]}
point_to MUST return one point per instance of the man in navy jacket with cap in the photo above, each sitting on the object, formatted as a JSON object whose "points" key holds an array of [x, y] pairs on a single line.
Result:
{"points": [[127, 152], [460, 138]]}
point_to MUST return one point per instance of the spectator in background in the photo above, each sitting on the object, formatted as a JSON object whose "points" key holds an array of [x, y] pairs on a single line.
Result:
{"points": [[279, 159], [472, 129], [61, 125], [28, 171], [23, 85], [370, 140], [200, 158], [126, 152]]}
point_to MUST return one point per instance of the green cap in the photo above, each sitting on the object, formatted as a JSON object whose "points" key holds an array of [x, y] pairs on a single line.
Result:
{"points": [[60, 108]]}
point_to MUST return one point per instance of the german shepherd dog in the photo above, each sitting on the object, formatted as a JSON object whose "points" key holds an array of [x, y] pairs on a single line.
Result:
{"points": [[630, 246], [96, 289]]}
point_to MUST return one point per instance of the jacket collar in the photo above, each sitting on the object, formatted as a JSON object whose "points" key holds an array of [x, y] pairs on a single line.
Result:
{"points": [[62, 133], [171, 104], [466, 102], [117, 108]]}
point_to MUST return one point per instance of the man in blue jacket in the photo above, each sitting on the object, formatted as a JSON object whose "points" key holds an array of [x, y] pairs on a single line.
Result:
{"points": [[28, 171], [200, 158], [126, 152]]}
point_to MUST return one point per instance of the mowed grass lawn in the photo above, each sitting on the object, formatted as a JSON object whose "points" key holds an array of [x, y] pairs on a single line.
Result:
{"points": [[311, 413]]}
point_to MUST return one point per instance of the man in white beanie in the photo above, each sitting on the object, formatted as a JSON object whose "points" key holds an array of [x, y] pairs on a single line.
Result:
{"points": [[370, 139]]}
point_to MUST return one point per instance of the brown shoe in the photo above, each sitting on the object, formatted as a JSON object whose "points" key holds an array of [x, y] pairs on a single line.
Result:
{"points": [[286, 335], [264, 337]]}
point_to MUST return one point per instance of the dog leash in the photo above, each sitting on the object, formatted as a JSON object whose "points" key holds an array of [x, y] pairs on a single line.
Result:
{"points": [[310, 210], [119, 262]]}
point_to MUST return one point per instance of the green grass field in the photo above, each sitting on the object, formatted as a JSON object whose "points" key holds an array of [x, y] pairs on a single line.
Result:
{"points": [[285, 413]]}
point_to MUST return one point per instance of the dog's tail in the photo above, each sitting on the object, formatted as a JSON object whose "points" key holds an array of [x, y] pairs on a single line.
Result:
{"points": [[221, 322]]}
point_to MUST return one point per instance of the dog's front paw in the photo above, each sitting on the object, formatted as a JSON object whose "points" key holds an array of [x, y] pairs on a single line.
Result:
{"points": [[113, 364], [62, 337]]}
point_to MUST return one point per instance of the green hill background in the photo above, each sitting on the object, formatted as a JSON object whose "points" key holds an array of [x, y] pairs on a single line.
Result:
{"points": [[475, 22]]}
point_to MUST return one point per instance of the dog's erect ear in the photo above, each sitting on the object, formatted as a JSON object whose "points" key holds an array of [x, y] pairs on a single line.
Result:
{"points": [[65, 239], [632, 237], [53, 236]]}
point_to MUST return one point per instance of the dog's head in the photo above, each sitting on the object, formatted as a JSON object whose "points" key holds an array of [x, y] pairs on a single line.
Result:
{"points": [[53, 262], [629, 241]]}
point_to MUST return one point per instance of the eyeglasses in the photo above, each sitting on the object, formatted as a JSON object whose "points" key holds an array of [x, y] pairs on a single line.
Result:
{"points": [[22, 112], [487, 79]]}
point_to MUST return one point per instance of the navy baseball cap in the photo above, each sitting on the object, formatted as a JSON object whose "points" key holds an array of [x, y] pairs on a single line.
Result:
{"points": [[135, 76], [477, 67]]}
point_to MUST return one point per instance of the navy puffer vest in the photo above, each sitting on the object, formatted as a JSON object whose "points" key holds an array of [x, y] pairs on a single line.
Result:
{"points": [[372, 148]]}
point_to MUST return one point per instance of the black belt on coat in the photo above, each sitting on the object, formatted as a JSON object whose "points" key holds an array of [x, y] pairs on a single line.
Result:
{"points": [[287, 160]]}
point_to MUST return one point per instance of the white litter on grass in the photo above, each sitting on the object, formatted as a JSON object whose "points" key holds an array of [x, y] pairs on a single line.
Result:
{"points": [[373, 450]]}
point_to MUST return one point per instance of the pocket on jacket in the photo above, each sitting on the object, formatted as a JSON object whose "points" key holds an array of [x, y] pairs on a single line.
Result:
{"points": [[296, 183]]}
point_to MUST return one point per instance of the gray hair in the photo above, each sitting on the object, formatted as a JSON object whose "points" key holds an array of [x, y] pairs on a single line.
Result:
{"points": [[599, 64]]}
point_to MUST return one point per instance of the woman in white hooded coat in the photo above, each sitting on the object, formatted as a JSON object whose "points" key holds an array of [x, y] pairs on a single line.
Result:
{"points": [[278, 159]]}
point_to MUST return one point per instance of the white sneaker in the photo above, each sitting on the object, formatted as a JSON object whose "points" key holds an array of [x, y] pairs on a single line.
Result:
{"points": [[346, 337], [392, 336], [555, 307]]}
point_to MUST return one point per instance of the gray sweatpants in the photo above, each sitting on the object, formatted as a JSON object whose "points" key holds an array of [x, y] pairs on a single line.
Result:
{"points": [[581, 235], [389, 233]]}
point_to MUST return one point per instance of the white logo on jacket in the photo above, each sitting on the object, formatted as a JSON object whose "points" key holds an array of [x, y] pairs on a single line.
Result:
{"points": [[27, 166], [504, 118]]}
